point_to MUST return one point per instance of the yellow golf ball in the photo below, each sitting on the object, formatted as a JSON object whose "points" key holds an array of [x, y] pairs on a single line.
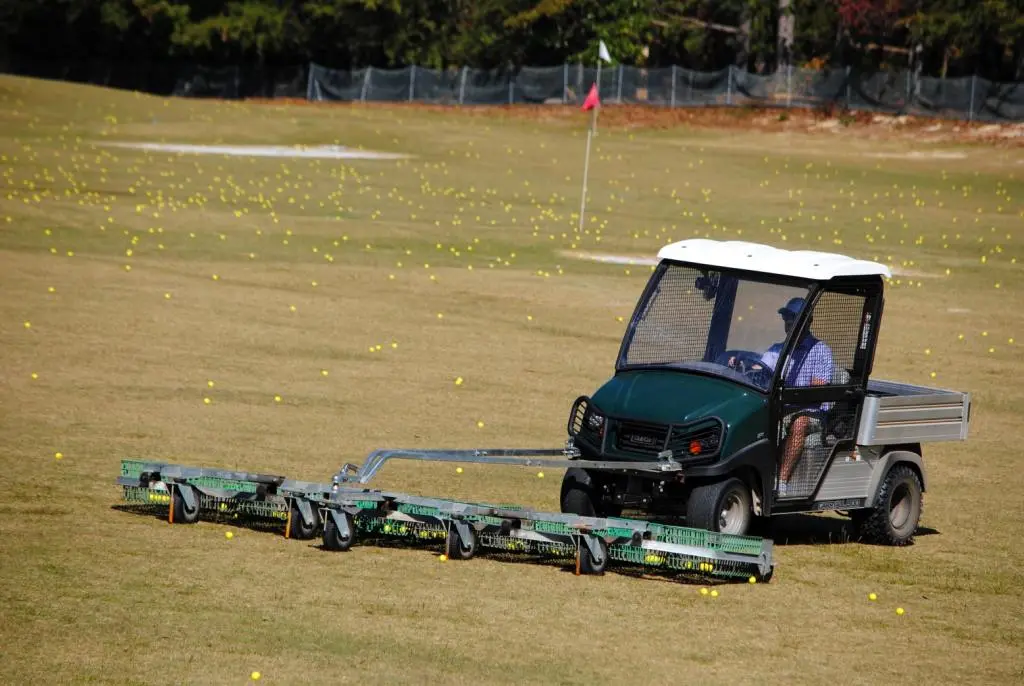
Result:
{"points": [[458, 470], [255, 676], [899, 610], [59, 456], [540, 475], [703, 591], [228, 535], [872, 596], [714, 594], [752, 580], [442, 558]]}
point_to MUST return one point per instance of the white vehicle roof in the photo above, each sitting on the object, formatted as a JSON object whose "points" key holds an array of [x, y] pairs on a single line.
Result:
{"points": [[805, 264]]}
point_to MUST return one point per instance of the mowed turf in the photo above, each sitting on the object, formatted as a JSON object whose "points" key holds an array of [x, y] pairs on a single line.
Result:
{"points": [[325, 308]]}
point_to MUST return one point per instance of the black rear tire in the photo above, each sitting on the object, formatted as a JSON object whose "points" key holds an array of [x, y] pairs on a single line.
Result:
{"points": [[458, 548], [724, 506], [333, 540], [585, 563], [182, 513], [897, 511], [299, 529]]}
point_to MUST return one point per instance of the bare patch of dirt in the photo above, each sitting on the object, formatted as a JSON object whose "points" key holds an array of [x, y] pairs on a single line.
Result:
{"points": [[822, 121]]}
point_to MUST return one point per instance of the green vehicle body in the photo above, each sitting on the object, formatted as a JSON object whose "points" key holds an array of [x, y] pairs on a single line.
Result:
{"points": [[678, 398]]}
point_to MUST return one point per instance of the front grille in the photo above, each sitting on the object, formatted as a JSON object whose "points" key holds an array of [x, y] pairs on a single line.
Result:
{"points": [[641, 438], [695, 442]]}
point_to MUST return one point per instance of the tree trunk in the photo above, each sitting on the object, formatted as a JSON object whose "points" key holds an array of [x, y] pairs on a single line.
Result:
{"points": [[786, 31], [743, 57]]}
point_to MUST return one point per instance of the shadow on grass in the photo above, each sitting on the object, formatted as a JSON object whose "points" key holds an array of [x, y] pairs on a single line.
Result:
{"points": [[787, 530], [815, 530], [435, 547]]}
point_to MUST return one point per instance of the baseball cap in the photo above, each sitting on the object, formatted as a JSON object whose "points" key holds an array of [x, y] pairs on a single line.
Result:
{"points": [[793, 307]]}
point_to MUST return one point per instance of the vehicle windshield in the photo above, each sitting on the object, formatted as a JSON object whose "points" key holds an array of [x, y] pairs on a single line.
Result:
{"points": [[712, 321]]}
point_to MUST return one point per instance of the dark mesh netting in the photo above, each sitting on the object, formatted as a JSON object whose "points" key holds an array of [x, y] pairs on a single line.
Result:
{"points": [[540, 85], [837, 323], [675, 322], [207, 82], [822, 428]]}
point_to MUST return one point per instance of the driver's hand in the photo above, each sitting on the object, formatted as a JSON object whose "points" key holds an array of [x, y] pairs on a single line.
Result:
{"points": [[732, 361]]}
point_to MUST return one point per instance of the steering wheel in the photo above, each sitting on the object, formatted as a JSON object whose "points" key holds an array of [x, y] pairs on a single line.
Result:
{"points": [[749, 364]]}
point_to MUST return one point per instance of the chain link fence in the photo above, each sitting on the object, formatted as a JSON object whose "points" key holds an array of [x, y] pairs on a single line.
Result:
{"points": [[968, 98]]}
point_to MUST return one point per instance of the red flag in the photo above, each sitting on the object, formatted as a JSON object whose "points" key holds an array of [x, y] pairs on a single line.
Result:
{"points": [[592, 100]]}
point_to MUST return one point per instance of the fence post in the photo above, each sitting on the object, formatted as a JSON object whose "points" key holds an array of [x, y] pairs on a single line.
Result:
{"points": [[511, 88], [728, 97], [620, 85], [974, 81], [689, 92], [579, 86], [366, 84], [789, 85], [309, 82], [565, 83], [847, 86], [462, 85], [412, 81], [672, 100]]}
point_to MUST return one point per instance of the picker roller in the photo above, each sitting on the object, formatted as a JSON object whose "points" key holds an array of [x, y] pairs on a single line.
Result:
{"points": [[342, 514]]}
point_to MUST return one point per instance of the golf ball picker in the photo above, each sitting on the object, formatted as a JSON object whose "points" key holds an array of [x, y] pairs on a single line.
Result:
{"points": [[342, 514], [741, 390]]}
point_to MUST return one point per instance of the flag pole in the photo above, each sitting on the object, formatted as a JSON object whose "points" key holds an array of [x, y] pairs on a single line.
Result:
{"points": [[602, 54], [586, 166]]}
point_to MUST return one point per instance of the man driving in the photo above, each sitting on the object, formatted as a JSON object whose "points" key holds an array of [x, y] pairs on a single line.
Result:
{"points": [[811, 364]]}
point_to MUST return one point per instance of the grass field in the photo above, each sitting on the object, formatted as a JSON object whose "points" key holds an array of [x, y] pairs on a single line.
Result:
{"points": [[138, 284]]}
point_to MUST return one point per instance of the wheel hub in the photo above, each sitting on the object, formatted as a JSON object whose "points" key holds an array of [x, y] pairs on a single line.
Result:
{"points": [[900, 507], [730, 518]]}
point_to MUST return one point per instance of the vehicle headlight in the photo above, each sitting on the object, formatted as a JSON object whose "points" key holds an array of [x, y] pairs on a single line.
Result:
{"points": [[595, 422]]}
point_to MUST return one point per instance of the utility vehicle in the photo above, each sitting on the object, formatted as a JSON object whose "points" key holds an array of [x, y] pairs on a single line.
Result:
{"points": [[744, 363]]}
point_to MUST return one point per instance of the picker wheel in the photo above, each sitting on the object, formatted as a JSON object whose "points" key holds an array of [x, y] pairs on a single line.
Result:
{"points": [[182, 514], [333, 540], [299, 529], [585, 563], [458, 549]]}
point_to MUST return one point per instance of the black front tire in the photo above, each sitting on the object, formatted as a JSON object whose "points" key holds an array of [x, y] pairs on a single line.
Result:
{"points": [[578, 500], [579, 496], [897, 511], [585, 563], [182, 513], [333, 540], [299, 529], [724, 506], [458, 548]]}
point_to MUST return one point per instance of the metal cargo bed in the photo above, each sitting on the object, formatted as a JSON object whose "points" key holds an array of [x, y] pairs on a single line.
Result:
{"points": [[895, 413]]}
